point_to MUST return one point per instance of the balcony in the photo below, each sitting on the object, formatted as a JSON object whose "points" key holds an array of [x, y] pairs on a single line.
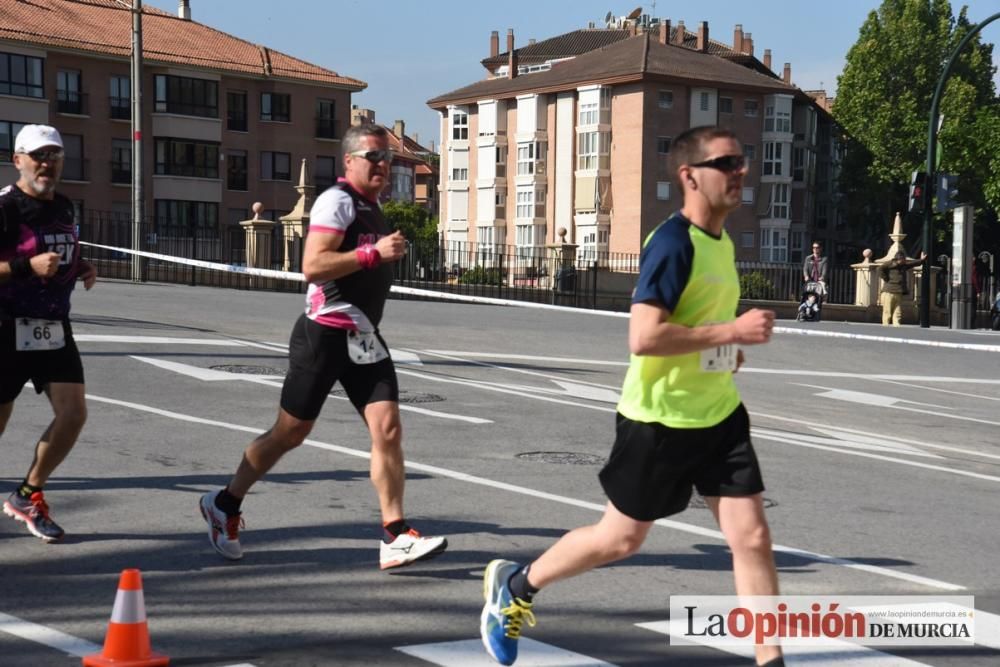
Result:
{"points": [[121, 108], [121, 172], [72, 102], [236, 121], [327, 128], [76, 169]]}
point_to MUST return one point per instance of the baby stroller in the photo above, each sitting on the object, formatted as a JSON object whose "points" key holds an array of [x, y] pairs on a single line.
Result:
{"points": [[811, 305]]}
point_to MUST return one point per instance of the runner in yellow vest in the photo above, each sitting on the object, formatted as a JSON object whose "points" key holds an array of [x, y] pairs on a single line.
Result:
{"points": [[681, 424]]}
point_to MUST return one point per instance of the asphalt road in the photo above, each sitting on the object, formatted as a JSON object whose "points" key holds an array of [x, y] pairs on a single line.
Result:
{"points": [[880, 459]]}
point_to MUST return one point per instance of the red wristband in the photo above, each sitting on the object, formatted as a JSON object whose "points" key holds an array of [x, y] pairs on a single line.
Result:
{"points": [[368, 256]]}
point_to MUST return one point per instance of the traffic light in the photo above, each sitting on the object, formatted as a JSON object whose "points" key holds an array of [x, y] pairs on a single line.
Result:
{"points": [[918, 180], [947, 193]]}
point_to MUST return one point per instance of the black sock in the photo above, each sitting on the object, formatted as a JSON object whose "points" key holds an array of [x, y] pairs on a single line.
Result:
{"points": [[228, 503], [25, 490], [394, 529], [775, 662], [519, 586]]}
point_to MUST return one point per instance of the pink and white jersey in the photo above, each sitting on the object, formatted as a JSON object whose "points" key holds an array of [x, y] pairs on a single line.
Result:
{"points": [[354, 301]]}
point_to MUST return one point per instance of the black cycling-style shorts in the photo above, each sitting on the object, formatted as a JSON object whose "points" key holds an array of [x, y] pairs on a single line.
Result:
{"points": [[653, 468], [318, 358], [40, 366]]}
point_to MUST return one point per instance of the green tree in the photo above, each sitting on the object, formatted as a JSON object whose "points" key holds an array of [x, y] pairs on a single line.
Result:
{"points": [[414, 221], [883, 102]]}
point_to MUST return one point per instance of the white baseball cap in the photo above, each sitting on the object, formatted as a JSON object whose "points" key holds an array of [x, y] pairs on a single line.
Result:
{"points": [[33, 137]]}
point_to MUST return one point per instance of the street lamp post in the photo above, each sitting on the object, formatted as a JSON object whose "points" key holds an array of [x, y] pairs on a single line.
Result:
{"points": [[135, 85], [932, 131]]}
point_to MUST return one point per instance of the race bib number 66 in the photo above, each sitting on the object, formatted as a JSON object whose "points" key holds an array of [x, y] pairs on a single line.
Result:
{"points": [[34, 335]]}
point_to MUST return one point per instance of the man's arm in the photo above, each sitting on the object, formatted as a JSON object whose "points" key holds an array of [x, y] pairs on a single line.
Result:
{"points": [[652, 334], [322, 259], [43, 265]]}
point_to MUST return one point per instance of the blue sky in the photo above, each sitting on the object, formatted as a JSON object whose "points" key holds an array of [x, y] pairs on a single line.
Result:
{"points": [[409, 51]]}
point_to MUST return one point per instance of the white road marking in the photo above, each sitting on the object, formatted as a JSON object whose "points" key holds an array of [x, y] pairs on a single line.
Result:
{"points": [[157, 340], [866, 376], [527, 357], [888, 339], [40, 634], [837, 654], [470, 653], [544, 495], [881, 401], [834, 439]]}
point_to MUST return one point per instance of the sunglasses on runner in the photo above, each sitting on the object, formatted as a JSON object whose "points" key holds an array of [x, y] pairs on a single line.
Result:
{"points": [[727, 163], [375, 156], [45, 156]]}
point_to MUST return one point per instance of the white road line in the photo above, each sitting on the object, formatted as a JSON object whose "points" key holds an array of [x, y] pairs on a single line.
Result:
{"points": [[838, 654], [866, 376], [470, 653], [527, 357], [157, 340], [39, 634], [544, 495], [888, 339], [523, 371]]}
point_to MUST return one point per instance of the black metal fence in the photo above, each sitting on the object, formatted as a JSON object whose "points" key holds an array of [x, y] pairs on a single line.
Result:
{"points": [[783, 282]]}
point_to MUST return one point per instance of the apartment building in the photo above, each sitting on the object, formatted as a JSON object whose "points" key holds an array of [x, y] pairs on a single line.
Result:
{"points": [[573, 133], [225, 122]]}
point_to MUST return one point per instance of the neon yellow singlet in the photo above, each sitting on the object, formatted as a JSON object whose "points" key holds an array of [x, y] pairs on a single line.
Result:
{"points": [[692, 274]]}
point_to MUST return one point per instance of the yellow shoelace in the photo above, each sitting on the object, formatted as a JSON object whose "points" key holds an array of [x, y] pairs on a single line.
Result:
{"points": [[517, 613]]}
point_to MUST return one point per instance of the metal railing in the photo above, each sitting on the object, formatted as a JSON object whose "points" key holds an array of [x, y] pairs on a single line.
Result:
{"points": [[72, 102], [771, 281]]}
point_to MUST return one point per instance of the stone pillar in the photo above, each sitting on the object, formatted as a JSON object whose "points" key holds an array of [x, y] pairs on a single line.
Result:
{"points": [[258, 239], [563, 261], [296, 224], [866, 281]]}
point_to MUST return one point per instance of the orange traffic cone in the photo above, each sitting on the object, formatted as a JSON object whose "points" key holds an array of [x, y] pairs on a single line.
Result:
{"points": [[127, 641]]}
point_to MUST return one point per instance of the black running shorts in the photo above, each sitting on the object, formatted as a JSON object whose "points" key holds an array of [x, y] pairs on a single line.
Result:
{"points": [[318, 358], [652, 467], [41, 367]]}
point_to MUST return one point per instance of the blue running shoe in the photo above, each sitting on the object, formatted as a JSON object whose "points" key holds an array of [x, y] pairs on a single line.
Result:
{"points": [[503, 614]]}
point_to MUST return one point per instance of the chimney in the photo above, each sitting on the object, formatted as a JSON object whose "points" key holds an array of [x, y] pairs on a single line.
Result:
{"points": [[748, 43], [633, 28], [184, 10], [738, 38], [531, 41], [665, 32], [703, 37], [399, 129], [679, 34], [787, 77], [494, 44], [767, 58], [511, 56]]}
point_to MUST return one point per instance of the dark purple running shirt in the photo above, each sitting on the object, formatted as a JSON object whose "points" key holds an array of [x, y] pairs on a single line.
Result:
{"points": [[28, 227]]}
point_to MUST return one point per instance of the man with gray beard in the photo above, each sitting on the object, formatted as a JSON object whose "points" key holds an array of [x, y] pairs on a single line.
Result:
{"points": [[39, 266]]}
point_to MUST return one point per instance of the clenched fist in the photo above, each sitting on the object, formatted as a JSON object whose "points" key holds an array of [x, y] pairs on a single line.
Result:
{"points": [[45, 264]]}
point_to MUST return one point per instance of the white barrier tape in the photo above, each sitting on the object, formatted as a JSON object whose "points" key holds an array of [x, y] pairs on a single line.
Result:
{"points": [[130, 607], [446, 296]]}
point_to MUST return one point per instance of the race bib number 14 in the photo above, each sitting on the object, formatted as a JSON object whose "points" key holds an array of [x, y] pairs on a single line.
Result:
{"points": [[364, 347], [34, 335]]}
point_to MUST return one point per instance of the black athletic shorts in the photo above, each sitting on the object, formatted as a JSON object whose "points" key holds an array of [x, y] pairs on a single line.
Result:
{"points": [[317, 358], [41, 367], [652, 467]]}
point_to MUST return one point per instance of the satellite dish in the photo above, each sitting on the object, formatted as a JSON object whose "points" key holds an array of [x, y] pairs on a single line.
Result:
{"points": [[636, 13], [607, 19]]}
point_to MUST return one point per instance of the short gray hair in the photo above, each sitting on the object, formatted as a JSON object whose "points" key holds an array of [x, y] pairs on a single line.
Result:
{"points": [[352, 138]]}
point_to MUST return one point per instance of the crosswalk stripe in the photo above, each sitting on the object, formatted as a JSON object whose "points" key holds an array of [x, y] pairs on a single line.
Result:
{"points": [[40, 634], [836, 654], [470, 653]]}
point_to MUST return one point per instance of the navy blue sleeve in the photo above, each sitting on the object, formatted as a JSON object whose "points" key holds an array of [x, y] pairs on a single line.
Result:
{"points": [[665, 266]]}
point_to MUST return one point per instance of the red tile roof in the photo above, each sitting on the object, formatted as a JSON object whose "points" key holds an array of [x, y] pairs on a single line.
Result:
{"points": [[105, 27]]}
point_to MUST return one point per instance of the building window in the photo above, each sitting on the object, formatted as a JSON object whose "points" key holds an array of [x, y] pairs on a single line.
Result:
{"points": [[275, 107], [798, 164], [21, 75], [460, 174], [120, 97], [777, 121], [725, 105], [121, 161], [179, 218], [747, 195], [187, 96], [275, 166], [326, 127], [704, 102], [663, 190], [593, 150], [236, 111], [750, 151], [74, 166], [526, 159], [69, 98], [779, 201], [822, 215], [500, 202], [459, 126], [185, 157], [772, 158], [795, 247], [773, 245], [589, 114], [750, 108], [402, 182], [325, 173], [665, 99], [746, 239], [8, 132], [236, 170], [663, 145], [501, 162]]}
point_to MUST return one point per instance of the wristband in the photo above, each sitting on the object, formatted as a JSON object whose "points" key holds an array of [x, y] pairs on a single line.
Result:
{"points": [[20, 268], [368, 256]]}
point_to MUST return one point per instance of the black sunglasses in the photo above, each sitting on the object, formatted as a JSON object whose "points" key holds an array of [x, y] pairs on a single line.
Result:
{"points": [[45, 156], [726, 163], [374, 156]]}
